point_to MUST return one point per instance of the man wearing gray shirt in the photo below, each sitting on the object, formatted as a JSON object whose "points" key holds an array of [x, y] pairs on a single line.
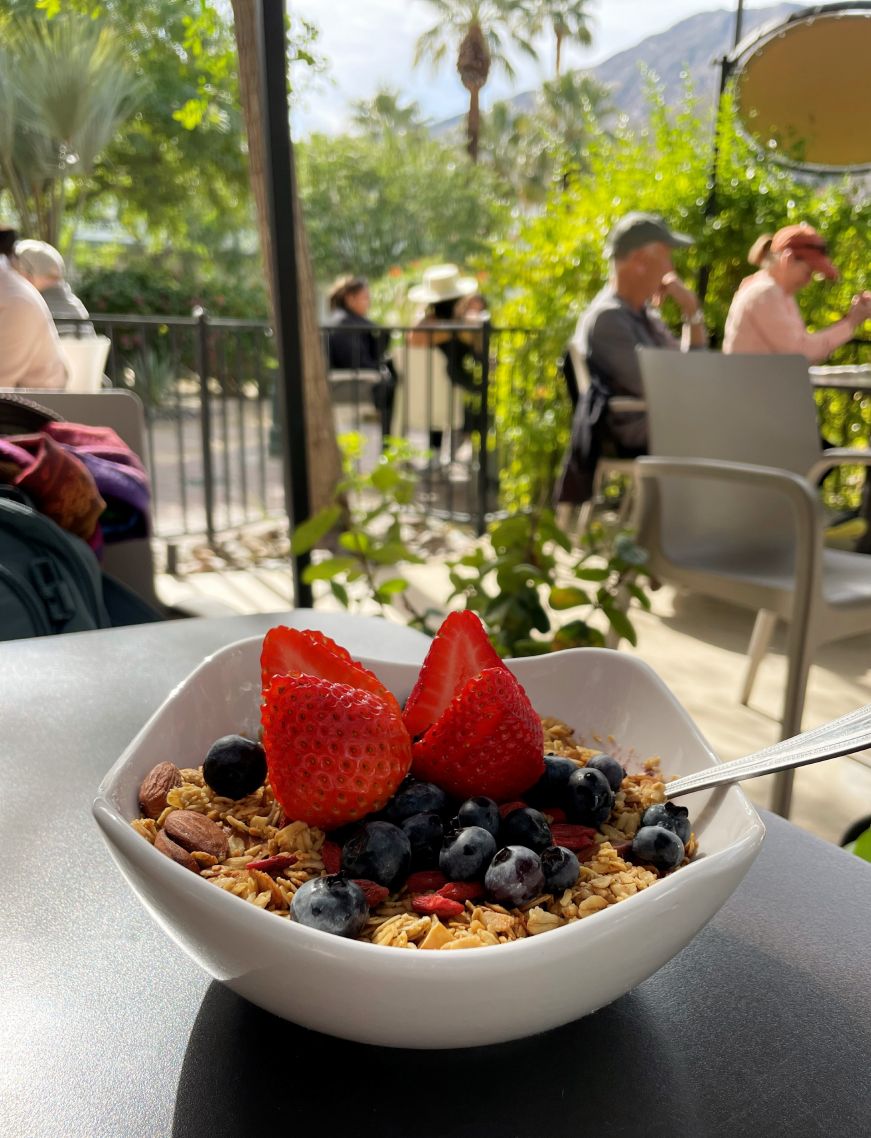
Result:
{"points": [[44, 267], [620, 318]]}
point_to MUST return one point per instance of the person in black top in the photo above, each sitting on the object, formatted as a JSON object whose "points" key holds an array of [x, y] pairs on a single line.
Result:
{"points": [[356, 343]]}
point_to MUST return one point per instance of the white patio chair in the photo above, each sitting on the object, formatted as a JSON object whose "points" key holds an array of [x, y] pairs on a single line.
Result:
{"points": [[425, 396], [85, 358], [729, 506]]}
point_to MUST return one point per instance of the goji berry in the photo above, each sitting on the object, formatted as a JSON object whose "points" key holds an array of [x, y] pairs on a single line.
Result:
{"points": [[372, 891], [506, 808], [461, 890], [273, 864], [425, 881], [331, 855], [572, 837], [556, 814], [433, 903]]}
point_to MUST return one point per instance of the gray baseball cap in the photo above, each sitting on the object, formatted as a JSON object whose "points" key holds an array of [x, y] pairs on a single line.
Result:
{"points": [[635, 230]]}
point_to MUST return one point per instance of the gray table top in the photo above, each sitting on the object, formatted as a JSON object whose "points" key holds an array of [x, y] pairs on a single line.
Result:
{"points": [[761, 1026]]}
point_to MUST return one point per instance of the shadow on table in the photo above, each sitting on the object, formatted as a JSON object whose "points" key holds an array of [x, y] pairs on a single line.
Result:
{"points": [[247, 1070]]}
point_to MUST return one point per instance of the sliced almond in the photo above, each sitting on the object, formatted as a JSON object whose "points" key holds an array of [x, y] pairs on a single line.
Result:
{"points": [[437, 935], [173, 850], [155, 787], [194, 831]]}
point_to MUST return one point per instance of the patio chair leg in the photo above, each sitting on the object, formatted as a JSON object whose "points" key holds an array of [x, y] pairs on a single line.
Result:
{"points": [[799, 653], [759, 641]]}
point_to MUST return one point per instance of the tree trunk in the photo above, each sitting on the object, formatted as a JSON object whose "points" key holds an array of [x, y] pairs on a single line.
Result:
{"points": [[559, 44], [324, 462], [473, 126]]}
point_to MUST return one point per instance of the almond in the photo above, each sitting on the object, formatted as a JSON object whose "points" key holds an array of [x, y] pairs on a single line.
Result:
{"points": [[155, 787], [194, 831], [173, 850]]}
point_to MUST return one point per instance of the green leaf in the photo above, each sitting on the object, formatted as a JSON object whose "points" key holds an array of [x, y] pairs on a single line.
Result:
{"points": [[621, 624], [862, 846], [326, 570], [639, 594], [591, 574], [340, 593], [392, 586], [384, 478], [568, 598], [356, 542], [308, 533]]}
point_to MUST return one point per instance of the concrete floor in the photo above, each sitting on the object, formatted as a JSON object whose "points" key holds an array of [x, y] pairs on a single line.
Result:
{"points": [[696, 646]]}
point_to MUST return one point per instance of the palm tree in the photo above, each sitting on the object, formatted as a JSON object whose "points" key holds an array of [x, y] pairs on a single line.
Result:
{"points": [[567, 19], [481, 31], [66, 85], [384, 117]]}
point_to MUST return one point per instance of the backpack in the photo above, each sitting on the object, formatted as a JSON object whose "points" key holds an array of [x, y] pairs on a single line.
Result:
{"points": [[50, 580]]}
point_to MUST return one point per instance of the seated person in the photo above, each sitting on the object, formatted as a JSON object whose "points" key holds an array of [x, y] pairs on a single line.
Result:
{"points": [[356, 343], [764, 315], [44, 267], [30, 355], [450, 298], [617, 321]]}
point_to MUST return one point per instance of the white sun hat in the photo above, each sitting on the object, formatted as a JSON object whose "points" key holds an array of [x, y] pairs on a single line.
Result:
{"points": [[442, 282]]}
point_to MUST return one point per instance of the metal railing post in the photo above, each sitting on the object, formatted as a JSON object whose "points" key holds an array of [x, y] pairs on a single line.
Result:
{"points": [[484, 429], [205, 420]]}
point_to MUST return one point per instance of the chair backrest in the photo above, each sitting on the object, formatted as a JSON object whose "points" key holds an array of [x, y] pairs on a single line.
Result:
{"points": [[425, 398], [756, 409], [85, 358], [131, 562]]}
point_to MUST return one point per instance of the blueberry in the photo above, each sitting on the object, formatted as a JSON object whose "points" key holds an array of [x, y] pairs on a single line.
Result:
{"points": [[589, 797], [656, 845], [525, 827], [514, 876], [673, 817], [380, 852], [415, 798], [550, 790], [234, 766], [610, 768], [560, 867], [466, 853], [481, 812], [425, 833], [330, 904]]}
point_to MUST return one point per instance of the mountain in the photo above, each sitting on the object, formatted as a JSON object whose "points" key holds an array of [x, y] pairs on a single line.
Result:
{"points": [[693, 46]]}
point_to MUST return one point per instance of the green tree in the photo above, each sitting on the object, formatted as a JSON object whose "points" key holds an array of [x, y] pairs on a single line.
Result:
{"points": [[543, 277], [371, 203], [481, 32], [65, 89], [383, 116], [567, 19]]}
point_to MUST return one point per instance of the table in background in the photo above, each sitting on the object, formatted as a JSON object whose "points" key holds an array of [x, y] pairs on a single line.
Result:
{"points": [[761, 1026]]}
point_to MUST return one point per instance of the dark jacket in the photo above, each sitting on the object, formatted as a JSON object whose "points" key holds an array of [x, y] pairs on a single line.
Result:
{"points": [[355, 342]]}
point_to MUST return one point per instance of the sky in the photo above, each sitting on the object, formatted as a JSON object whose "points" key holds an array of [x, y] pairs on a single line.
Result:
{"points": [[369, 44]]}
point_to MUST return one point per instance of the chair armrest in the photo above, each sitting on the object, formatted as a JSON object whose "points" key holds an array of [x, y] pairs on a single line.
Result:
{"points": [[620, 403], [838, 456], [367, 375], [799, 492]]}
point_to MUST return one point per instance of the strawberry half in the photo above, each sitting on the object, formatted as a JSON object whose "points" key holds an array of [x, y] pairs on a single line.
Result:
{"points": [[459, 651], [334, 752], [489, 741], [289, 650]]}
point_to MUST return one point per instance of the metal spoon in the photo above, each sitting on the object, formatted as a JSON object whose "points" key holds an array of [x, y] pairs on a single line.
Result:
{"points": [[843, 736]]}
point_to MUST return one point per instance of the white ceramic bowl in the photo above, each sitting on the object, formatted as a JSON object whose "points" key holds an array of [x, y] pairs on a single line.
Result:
{"points": [[401, 998]]}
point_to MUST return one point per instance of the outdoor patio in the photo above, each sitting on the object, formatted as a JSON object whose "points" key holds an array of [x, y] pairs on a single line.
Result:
{"points": [[696, 646]]}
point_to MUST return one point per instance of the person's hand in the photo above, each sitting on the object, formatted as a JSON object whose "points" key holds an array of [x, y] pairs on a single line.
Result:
{"points": [[860, 308], [686, 300]]}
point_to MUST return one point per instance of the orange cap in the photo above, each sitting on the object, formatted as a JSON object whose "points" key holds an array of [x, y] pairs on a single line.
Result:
{"points": [[808, 245]]}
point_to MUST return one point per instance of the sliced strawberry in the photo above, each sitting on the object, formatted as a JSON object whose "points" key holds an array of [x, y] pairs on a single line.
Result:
{"points": [[488, 742], [334, 753], [289, 650], [459, 651], [372, 891]]}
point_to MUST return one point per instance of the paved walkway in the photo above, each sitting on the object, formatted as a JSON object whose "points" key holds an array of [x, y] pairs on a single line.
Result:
{"points": [[696, 645]]}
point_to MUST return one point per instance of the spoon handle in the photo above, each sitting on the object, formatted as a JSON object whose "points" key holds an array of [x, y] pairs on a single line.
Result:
{"points": [[843, 736]]}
